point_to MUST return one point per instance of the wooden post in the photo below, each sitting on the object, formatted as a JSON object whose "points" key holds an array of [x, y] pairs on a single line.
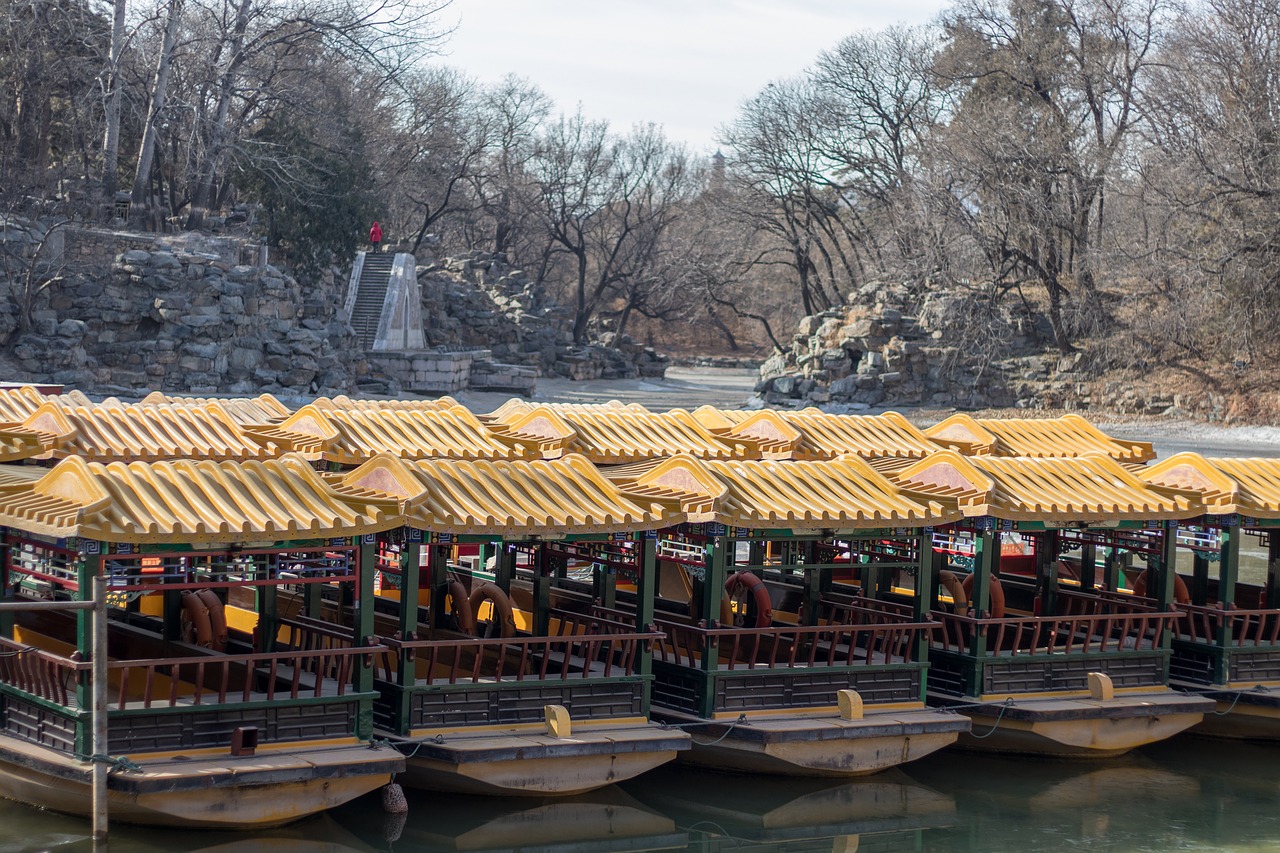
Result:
{"points": [[505, 570], [1228, 574], [410, 580], [364, 628], [438, 573], [922, 602], [101, 746], [541, 592], [712, 591], [1047, 568], [986, 555], [646, 591], [1088, 567]]}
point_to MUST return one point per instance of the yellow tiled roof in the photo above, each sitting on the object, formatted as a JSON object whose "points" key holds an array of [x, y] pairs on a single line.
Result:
{"points": [[617, 436], [353, 437], [1069, 435], [1223, 486], [20, 475], [262, 409], [115, 431], [342, 401], [515, 407], [196, 502], [17, 404], [1087, 489], [814, 434], [510, 498], [842, 493]]}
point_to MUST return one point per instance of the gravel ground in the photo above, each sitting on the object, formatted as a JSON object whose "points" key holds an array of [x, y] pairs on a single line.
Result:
{"points": [[690, 387]]}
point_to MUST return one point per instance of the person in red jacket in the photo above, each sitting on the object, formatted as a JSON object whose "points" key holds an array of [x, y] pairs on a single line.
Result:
{"points": [[375, 236]]}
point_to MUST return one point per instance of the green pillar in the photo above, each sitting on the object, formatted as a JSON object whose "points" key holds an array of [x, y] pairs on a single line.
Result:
{"points": [[541, 592], [1047, 571], [646, 590], [438, 577], [1088, 567], [1162, 570], [714, 576], [1228, 575], [267, 605], [88, 567], [364, 628], [410, 580], [505, 570], [813, 583], [6, 618], [986, 556], [922, 603]]}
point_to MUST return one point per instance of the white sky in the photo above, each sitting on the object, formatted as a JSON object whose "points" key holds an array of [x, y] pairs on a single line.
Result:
{"points": [[684, 64]]}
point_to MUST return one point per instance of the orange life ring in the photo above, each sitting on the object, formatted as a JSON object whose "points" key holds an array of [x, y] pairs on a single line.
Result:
{"points": [[502, 609], [197, 628], [459, 606], [217, 618], [1181, 594], [753, 584], [997, 594], [950, 581]]}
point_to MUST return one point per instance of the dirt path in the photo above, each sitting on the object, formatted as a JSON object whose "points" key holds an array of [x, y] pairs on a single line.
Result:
{"points": [[690, 387]]}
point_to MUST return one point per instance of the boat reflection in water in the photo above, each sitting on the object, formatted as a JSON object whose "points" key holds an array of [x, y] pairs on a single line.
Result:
{"points": [[729, 812], [1128, 803], [30, 829], [604, 820]]}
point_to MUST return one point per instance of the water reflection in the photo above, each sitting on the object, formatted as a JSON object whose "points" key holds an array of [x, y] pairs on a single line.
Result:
{"points": [[1187, 794], [740, 813], [605, 820]]}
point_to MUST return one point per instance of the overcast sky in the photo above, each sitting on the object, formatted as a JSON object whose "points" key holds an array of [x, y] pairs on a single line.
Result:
{"points": [[685, 64]]}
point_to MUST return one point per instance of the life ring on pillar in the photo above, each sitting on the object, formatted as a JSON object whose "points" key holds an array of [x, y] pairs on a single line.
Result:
{"points": [[997, 595], [1181, 594], [503, 616], [959, 594], [748, 582], [217, 618], [459, 606], [197, 627]]}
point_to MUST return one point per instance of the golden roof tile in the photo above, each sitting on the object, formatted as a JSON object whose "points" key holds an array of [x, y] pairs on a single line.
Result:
{"points": [[1069, 435], [515, 499], [17, 404], [1084, 489], [814, 434], [844, 493], [1247, 486], [191, 502], [115, 431], [262, 409], [342, 401], [352, 437]]}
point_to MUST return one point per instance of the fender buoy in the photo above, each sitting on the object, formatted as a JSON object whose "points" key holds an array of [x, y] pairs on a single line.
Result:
{"points": [[217, 618], [997, 595], [1181, 594], [502, 610], [752, 584], [196, 627], [459, 606], [959, 594]]}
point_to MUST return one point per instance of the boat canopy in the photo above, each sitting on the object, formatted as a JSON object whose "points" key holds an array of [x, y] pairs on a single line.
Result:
{"points": [[191, 502]]}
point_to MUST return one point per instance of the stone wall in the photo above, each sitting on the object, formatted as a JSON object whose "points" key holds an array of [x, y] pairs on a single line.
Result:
{"points": [[182, 314]]}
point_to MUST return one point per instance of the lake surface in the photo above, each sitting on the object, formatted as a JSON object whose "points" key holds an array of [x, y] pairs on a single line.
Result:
{"points": [[1187, 794]]}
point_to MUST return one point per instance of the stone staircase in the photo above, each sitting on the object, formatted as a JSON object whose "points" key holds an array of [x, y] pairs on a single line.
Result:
{"points": [[371, 293]]}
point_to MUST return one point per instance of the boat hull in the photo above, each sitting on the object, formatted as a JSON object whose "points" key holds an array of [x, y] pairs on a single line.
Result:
{"points": [[822, 745], [528, 762], [271, 788], [1070, 727], [1245, 713]]}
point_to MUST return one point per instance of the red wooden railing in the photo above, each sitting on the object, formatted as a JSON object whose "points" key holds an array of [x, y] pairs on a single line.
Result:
{"points": [[1060, 635], [1248, 627], [606, 651], [790, 646], [205, 680]]}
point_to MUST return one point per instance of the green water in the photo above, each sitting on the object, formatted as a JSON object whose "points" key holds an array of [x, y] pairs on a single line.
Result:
{"points": [[1185, 794]]}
